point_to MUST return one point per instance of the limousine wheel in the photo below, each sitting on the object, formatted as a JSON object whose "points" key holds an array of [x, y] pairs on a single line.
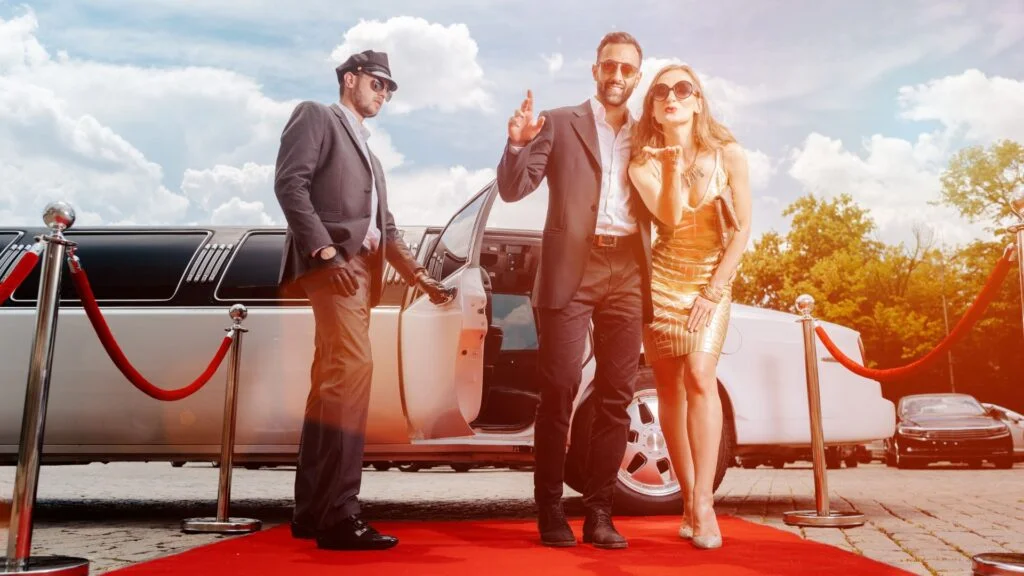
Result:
{"points": [[645, 485]]}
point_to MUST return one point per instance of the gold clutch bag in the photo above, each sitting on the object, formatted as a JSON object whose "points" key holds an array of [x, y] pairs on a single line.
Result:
{"points": [[728, 223]]}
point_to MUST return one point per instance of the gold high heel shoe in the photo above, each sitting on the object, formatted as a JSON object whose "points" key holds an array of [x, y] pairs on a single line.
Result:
{"points": [[707, 542]]}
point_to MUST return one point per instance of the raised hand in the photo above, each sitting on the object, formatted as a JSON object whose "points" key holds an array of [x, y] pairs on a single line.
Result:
{"points": [[670, 156], [522, 127]]}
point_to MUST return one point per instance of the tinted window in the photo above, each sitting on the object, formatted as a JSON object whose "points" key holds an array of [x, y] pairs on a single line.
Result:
{"points": [[513, 313], [126, 266], [452, 250], [6, 238], [253, 272]]}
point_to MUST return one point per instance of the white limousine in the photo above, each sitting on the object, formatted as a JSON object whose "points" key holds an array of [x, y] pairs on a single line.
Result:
{"points": [[452, 384]]}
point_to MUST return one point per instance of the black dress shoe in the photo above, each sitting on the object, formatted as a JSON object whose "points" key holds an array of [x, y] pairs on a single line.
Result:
{"points": [[599, 530], [353, 533], [554, 528], [302, 531]]}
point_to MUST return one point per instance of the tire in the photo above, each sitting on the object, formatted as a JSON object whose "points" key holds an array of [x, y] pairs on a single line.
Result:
{"points": [[1004, 463], [833, 458], [460, 467], [382, 466], [634, 497]]}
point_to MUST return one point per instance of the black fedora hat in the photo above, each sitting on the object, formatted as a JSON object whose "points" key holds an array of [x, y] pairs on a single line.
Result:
{"points": [[371, 62]]}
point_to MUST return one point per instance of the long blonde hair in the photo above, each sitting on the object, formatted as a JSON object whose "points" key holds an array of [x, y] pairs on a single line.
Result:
{"points": [[708, 133]]}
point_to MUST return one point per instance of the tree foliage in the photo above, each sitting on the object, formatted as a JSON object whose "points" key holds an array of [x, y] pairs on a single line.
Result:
{"points": [[895, 295]]}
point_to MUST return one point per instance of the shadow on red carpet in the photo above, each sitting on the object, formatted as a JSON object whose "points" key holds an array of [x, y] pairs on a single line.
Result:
{"points": [[511, 547]]}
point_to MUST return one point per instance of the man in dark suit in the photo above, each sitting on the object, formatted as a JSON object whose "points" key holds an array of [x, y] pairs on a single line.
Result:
{"points": [[594, 265], [332, 191]]}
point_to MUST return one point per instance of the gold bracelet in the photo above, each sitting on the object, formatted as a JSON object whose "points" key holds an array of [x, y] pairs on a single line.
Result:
{"points": [[712, 294]]}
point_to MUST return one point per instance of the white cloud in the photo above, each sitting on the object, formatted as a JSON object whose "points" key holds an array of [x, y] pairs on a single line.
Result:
{"points": [[240, 212], [760, 169], [431, 196], [68, 127], [895, 180], [555, 62], [435, 66], [898, 179], [983, 108], [222, 188]]}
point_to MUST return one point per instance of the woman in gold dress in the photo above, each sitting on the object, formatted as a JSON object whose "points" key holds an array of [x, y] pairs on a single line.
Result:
{"points": [[692, 175]]}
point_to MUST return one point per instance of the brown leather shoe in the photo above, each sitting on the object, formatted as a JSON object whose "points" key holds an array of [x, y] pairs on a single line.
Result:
{"points": [[599, 530], [554, 528]]}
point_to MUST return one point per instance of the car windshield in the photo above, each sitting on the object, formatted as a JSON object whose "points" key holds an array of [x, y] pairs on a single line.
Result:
{"points": [[943, 406]]}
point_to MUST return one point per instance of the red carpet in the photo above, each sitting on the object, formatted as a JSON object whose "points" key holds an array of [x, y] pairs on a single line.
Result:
{"points": [[511, 547]]}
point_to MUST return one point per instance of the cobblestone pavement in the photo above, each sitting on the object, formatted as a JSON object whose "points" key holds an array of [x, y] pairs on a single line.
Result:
{"points": [[925, 521]]}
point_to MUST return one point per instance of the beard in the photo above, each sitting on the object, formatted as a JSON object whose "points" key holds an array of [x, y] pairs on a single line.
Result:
{"points": [[368, 108], [615, 94]]}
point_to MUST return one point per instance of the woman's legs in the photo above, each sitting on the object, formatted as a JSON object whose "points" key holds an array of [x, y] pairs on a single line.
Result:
{"points": [[668, 377], [704, 429]]}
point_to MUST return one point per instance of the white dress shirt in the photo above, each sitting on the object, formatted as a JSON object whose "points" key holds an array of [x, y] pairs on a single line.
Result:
{"points": [[372, 239], [615, 213]]}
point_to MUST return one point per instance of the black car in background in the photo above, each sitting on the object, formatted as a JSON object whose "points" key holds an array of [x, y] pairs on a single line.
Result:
{"points": [[947, 428]]}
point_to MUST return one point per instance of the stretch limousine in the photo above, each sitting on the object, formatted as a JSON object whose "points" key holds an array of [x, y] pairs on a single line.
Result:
{"points": [[452, 384]]}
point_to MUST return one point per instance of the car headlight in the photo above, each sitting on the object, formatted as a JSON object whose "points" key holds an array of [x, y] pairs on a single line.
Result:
{"points": [[911, 431]]}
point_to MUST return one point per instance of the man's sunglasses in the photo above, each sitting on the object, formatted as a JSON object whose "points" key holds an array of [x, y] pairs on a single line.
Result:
{"points": [[682, 89], [608, 68], [380, 87]]}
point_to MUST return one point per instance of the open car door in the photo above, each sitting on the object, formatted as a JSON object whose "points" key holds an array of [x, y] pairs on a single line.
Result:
{"points": [[442, 347]]}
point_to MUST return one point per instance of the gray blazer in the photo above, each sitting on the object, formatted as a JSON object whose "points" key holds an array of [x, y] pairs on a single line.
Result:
{"points": [[567, 153], [323, 183]]}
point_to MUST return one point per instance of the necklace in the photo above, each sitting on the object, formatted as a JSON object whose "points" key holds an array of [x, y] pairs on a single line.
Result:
{"points": [[693, 172]]}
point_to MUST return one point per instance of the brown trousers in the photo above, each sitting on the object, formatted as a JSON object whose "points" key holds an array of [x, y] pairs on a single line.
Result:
{"points": [[330, 461]]}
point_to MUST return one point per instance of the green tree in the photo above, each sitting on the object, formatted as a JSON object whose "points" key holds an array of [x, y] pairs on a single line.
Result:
{"points": [[980, 182]]}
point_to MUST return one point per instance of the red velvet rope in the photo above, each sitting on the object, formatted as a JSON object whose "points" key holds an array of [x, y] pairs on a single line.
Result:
{"points": [[973, 314], [21, 271], [92, 309]]}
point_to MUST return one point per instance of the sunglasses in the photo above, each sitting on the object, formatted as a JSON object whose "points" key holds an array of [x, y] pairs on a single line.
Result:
{"points": [[608, 68], [682, 89], [380, 87]]}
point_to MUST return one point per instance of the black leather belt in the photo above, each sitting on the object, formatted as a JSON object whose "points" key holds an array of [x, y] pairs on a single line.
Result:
{"points": [[609, 241]]}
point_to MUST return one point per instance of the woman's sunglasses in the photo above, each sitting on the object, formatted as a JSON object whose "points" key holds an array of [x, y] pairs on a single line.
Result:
{"points": [[682, 89], [608, 67]]}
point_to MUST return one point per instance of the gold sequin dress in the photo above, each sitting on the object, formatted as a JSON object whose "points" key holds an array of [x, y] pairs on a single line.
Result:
{"points": [[683, 261]]}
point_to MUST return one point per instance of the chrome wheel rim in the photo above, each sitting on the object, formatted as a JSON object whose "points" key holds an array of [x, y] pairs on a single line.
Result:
{"points": [[646, 467]]}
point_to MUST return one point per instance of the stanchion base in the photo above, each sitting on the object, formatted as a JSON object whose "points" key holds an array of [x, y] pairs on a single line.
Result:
{"points": [[50, 566], [214, 526], [997, 564], [810, 518]]}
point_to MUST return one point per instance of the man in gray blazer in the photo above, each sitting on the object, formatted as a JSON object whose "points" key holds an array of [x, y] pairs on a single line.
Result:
{"points": [[333, 194], [595, 265]]}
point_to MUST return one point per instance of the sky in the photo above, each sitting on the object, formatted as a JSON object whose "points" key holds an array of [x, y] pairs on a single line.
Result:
{"points": [[169, 112]]}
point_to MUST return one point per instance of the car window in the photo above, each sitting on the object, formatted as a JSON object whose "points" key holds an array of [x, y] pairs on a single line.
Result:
{"points": [[513, 313], [252, 273], [453, 248], [126, 266], [942, 406]]}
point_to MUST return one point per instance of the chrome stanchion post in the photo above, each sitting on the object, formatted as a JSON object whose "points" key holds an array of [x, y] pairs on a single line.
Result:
{"points": [[997, 563], [223, 523], [58, 217], [822, 517]]}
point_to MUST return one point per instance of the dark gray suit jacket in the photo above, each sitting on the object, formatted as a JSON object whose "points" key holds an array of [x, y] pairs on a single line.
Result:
{"points": [[323, 183], [567, 153]]}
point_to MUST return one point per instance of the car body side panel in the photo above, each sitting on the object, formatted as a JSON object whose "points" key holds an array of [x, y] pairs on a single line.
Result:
{"points": [[766, 382], [92, 403]]}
